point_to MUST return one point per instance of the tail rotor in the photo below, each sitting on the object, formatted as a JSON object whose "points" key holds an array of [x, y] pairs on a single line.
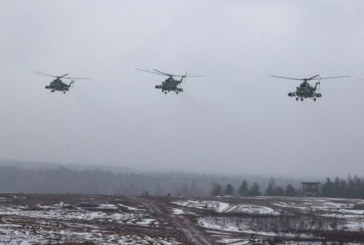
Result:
{"points": [[71, 84]]}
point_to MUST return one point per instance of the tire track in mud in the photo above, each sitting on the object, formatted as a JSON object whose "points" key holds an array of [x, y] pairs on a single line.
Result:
{"points": [[191, 235]]}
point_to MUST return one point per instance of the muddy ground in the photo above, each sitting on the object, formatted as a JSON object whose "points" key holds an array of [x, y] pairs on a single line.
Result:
{"points": [[100, 219]]}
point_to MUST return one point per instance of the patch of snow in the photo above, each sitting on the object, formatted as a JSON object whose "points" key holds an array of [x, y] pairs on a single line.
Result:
{"points": [[107, 206], [178, 211], [130, 208], [223, 207], [145, 222]]}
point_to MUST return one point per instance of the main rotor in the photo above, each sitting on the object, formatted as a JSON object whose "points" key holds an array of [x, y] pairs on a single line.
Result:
{"points": [[316, 77], [157, 72], [64, 76]]}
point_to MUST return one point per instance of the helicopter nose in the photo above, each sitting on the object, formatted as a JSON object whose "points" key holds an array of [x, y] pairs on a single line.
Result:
{"points": [[157, 86], [46, 87]]}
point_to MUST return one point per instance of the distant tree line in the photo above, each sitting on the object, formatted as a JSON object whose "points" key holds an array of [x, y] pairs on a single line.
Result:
{"points": [[242, 190], [245, 190], [352, 187], [56, 179], [96, 181]]}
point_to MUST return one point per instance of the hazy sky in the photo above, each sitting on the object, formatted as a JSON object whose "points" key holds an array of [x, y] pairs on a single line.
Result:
{"points": [[235, 120]]}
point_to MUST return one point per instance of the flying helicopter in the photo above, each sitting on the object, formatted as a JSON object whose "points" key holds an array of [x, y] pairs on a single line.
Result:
{"points": [[57, 84], [170, 84], [305, 90]]}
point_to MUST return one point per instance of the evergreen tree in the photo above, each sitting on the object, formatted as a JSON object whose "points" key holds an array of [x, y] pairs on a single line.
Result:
{"points": [[351, 192], [279, 191], [271, 189], [327, 188], [230, 190], [243, 189], [185, 190], [254, 191], [358, 187], [216, 189], [290, 191]]}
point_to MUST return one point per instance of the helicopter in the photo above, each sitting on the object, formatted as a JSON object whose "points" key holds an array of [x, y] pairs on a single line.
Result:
{"points": [[305, 90], [170, 84], [57, 84]]}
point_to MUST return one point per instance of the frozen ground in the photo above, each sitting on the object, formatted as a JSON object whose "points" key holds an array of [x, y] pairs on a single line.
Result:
{"points": [[52, 219], [294, 220], [223, 207], [64, 219]]}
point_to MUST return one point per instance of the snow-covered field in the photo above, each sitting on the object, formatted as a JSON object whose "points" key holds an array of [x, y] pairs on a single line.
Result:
{"points": [[223, 207], [41, 222], [286, 218], [60, 219]]}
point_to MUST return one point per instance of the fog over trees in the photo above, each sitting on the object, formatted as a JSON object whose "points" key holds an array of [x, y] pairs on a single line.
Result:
{"points": [[100, 181], [33, 178]]}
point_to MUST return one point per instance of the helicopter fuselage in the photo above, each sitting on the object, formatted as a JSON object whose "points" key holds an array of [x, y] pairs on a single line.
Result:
{"points": [[58, 85], [304, 91], [170, 84]]}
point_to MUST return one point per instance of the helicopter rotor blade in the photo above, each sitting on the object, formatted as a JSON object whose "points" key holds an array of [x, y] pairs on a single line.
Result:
{"points": [[74, 78], [330, 77], [289, 78], [63, 76], [43, 74], [316, 77], [151, 72], [312, 78], [157, 72], [166, 74], [184, 75], [188, 75], [49, 75]]}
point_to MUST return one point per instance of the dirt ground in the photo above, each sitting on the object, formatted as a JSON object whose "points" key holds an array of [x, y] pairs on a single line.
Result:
{"points": [[100, 219]]}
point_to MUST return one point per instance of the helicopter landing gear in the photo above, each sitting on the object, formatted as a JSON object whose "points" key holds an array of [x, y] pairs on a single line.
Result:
{"points": [[64, 92], [52, 91], [165, 92], [177, 92], [296, 98], [301, 99], [314, 99]]}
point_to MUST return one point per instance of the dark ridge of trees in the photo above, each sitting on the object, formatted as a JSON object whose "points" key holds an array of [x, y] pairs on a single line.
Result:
{"points": [[352, 187], [109, 182], [290, 191], [230, 190], [96, 181], [274, 190]]}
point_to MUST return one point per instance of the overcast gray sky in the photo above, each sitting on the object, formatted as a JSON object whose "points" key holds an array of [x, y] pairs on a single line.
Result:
{"points": [[235, 120]]}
